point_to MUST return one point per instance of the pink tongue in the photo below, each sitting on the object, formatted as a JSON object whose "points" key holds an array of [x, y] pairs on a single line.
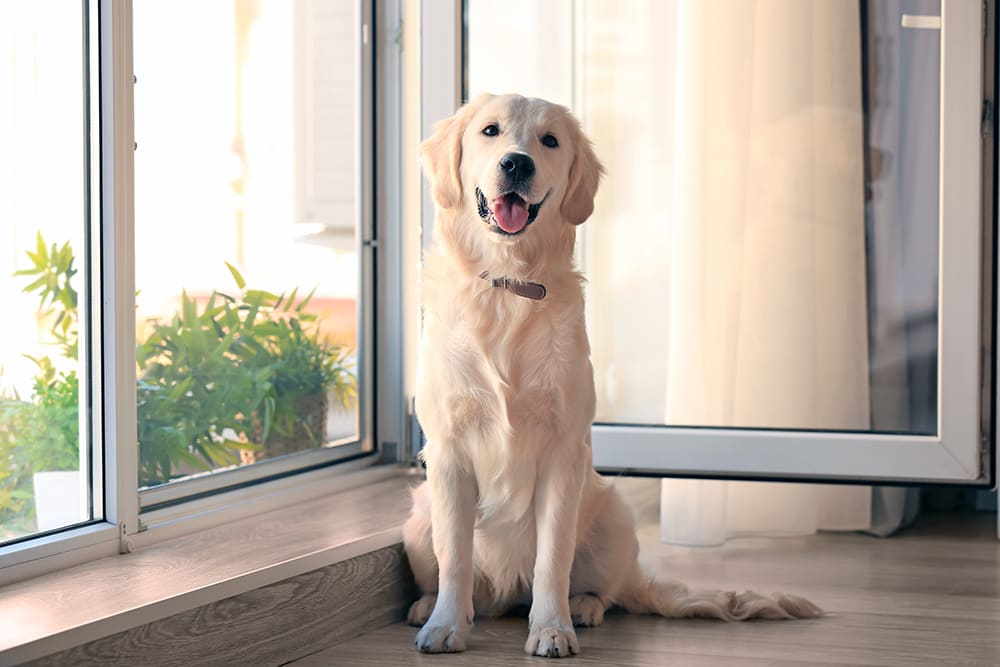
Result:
{"points": [[511, 213]]}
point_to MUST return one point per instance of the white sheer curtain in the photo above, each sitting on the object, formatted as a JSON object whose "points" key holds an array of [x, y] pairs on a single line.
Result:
{"points": [[726, 258], [768, 322]]}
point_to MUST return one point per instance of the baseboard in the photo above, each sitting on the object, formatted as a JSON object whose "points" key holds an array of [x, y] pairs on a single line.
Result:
{"points": [[271, 625]]}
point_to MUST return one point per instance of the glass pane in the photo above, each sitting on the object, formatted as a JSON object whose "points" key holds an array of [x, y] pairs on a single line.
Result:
{"points": [[764, 248], [44, 454], [246, 262]]}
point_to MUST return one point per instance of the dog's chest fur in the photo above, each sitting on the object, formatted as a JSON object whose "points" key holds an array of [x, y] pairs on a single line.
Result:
{"points": [[502, 381]]}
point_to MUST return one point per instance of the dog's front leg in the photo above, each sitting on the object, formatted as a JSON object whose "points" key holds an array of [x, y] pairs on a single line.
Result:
{"points": [[452, 503], [557, 505]]}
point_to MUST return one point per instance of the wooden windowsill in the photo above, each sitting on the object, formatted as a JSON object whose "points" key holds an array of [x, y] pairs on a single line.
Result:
{"points": [[65, 609]]}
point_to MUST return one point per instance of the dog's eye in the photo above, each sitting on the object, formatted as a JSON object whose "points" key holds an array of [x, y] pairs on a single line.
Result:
{"points": [[550, 140], [491, 130]]}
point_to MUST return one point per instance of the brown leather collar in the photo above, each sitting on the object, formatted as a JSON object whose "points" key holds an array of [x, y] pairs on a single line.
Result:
{"points": [[533, 291]]}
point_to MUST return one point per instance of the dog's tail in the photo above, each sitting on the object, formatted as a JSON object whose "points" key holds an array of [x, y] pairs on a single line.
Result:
{"points": [[644, 595]]}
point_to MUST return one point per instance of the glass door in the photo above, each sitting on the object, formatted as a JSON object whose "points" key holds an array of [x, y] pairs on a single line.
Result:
{"points": [[785, 261]]}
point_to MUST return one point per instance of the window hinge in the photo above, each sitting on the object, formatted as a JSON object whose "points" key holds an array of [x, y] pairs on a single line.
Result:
{"points": [[125, 545], [397, 36], [370, 243], [987, 118]]}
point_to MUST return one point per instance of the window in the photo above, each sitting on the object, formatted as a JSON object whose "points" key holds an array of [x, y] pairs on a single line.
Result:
{"points": [[247, 263], [45, 272], [221, 332]]}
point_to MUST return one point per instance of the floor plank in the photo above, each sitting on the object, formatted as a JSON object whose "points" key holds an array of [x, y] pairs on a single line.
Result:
{"points": [[930, 596]]}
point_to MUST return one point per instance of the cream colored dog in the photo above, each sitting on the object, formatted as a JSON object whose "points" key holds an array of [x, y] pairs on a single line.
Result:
{"points": [[512, 512]]}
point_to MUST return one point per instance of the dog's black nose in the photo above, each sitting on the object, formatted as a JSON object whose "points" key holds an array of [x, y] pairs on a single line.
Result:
{"points": [[517, 166]]}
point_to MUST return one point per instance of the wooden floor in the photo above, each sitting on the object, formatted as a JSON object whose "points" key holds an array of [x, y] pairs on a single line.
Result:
{"points": [[930, 596]]}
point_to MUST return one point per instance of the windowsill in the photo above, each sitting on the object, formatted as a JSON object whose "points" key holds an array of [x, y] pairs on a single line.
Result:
{"points": [[67, 608]]}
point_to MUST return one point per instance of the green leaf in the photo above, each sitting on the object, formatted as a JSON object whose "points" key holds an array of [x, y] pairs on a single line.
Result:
{"points": [[182, 387], [237, 276], [35, 285], [224, 342], [267, 299], [188, 308], [239, 444], [268, 416], [252, 314], [306, 300], [291, 299], [41, 250]]}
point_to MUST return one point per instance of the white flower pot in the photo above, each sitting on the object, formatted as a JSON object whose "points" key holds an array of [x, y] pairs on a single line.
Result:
{"points": [[58, 499]]}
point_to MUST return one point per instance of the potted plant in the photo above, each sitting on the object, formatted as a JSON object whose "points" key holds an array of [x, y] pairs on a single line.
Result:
{"points": [[39, 438], [237, 378], [305, 371], [194, 397]]}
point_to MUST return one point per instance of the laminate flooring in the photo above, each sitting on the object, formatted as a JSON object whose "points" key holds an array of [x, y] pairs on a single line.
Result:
{"points": [[928, 596]]}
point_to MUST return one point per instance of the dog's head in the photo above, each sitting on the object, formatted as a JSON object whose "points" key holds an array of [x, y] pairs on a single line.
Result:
{"points": [[512, 171]]}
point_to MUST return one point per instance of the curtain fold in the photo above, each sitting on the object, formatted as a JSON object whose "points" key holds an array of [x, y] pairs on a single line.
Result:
{"points": [[768, 321]]}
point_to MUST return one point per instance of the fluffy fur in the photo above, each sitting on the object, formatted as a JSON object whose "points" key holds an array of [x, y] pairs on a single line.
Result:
{"points": [[512, 512]]}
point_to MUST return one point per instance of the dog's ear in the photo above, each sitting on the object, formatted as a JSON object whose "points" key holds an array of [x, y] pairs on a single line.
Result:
{"points": [[584, 177], [442, 155]]}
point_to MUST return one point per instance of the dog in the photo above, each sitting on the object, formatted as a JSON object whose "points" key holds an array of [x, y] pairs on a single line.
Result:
{"points": [[512, 512]]}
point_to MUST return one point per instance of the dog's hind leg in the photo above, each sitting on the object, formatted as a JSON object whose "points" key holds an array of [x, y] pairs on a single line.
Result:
{"points": [[587, 610], [418, 543], [606, 571], [421, 610], [420, 553], [604, 555]]}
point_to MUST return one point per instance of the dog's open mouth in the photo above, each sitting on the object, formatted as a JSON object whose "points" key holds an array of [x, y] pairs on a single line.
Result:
{"points": [[507, 214]]}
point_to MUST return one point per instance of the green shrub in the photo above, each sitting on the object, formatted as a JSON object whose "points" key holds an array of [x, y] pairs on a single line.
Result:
{"points": [[206, 377]]}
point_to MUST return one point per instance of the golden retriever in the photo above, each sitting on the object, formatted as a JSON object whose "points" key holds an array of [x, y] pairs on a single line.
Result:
{"points": [[512, 512]]}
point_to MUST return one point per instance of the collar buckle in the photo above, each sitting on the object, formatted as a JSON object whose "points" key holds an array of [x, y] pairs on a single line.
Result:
{"points": [[533, 291]]}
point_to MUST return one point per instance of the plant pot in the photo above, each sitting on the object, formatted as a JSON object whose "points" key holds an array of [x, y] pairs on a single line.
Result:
{"points": [[58, 499], [308, 431]]}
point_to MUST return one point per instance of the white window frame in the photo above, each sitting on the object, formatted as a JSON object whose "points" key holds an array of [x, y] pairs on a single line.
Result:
{"points": [[431, 36], [440, 95], [132, 518]]}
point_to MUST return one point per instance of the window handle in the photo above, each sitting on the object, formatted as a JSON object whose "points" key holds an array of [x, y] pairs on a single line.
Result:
{"points": [[921, 21]]}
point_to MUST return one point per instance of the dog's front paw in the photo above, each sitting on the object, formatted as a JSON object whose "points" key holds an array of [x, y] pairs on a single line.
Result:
{"points": [[442, 638], [552, 642]]}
